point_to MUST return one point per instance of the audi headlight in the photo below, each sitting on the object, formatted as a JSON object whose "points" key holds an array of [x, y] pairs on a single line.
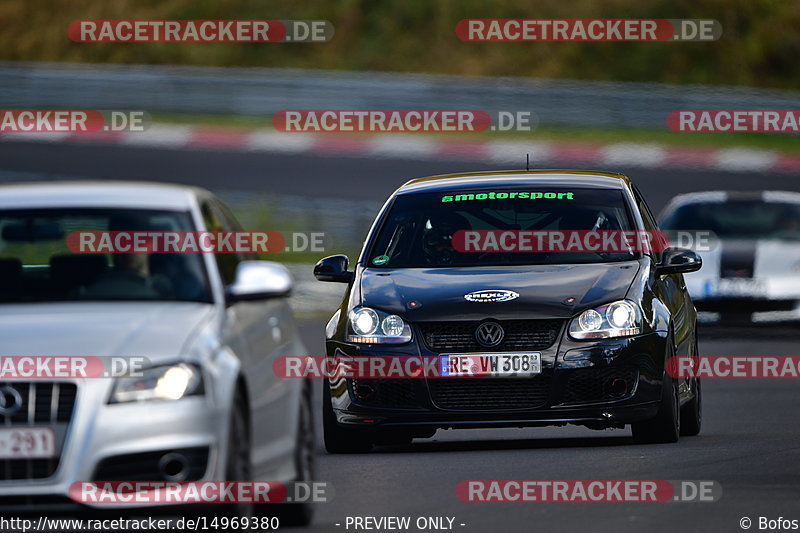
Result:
{"points": [[171, 382], [368, 326], [617, 319]]}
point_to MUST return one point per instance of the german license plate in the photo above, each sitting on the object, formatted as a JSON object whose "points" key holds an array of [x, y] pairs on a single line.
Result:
{"points": [[27, 443], [491, 364]]}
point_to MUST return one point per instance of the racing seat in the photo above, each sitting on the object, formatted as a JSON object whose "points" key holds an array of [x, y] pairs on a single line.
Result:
{"points": [[437, 237], [583, 220]]}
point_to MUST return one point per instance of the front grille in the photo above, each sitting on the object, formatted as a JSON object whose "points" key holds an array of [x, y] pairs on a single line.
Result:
{"points": [[489, 393], [43, 404], [390, 393], [520, 335], [587, 385]]}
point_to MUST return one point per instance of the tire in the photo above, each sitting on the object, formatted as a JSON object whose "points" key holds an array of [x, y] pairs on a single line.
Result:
{"points": [[692, 412], [238, 466], [299, 514], [337, 438], [665, 427]]}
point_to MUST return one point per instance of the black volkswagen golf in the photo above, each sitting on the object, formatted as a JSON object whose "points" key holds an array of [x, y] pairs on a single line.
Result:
{"points": [[523, 332]]}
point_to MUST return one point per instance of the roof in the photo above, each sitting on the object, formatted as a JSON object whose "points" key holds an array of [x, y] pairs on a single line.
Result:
{"points": [[516, 178], [119, 194]]}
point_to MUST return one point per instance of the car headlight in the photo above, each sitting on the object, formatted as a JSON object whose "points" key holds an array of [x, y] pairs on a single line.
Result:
{"points": [[368, 326], [170, 382], [617, 319]]}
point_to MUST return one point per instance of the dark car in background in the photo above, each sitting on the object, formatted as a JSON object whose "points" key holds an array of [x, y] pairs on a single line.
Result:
{"points": [[584, 337]]}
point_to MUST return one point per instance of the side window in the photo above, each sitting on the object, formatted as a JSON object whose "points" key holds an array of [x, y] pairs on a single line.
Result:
{"points": [[226, 263]]}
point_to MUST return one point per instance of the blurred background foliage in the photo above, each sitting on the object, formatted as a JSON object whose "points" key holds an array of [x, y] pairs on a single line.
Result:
{"points": [[760, 45]]}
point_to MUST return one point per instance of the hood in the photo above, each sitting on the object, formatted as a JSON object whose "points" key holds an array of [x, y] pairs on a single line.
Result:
{"points": [[543, 290], [147, 329]]}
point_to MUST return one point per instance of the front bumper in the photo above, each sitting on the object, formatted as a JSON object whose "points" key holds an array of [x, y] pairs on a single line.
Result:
{"points": [[598, 384], [101, 439]]}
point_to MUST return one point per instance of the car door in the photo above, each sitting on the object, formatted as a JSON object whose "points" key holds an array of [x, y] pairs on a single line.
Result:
{"points": [[262, 330]]}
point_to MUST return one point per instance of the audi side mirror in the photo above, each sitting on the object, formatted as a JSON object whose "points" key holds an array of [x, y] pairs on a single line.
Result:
{"points": [[259, 280]]}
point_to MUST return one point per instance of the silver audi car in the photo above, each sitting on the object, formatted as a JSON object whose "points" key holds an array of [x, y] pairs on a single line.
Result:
{"points": [[206, 327]]}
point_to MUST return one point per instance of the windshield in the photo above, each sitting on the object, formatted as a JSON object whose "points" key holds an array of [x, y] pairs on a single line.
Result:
{"points": [[739, 220], [36, 264], [419, 228]]}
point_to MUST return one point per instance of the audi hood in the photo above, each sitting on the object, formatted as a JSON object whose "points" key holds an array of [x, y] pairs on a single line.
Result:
{"points": [[146, 329]]}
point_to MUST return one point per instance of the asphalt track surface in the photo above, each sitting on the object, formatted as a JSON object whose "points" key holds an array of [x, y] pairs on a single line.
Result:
{"points": [[750, 442]]}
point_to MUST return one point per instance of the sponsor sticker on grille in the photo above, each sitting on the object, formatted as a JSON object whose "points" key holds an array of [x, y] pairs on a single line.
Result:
{"points": [[491, 364], [27, 443]]}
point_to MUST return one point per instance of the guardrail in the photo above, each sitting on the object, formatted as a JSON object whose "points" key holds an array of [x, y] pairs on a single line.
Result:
{"points": [[256, 91]]}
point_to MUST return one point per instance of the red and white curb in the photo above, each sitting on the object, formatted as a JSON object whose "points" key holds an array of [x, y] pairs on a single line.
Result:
{"points": [[410, 146]]}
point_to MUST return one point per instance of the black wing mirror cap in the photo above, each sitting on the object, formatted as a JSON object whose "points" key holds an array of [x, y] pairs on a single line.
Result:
{"points": [[679, 261], [333, 268]]}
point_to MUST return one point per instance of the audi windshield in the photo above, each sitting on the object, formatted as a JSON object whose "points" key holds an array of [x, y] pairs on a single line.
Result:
{"points": [[37, 265]]}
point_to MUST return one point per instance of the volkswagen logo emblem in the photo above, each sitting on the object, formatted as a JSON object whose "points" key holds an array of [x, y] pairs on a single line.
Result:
{"points": [[489, 334], [10, 401]]}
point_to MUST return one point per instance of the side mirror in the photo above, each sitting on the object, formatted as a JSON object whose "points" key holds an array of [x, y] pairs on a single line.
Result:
{"points": [[259, 280], [678, 261], [333, 268]]}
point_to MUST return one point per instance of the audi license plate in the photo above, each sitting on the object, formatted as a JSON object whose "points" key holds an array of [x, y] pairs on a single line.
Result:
{"points": [[27, 443], [491, 364]]}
